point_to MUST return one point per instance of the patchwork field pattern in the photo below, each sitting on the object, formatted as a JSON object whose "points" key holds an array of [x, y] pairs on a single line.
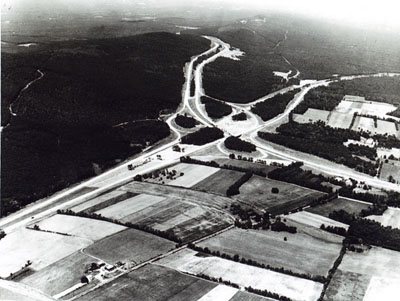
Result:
{"points": [[319, 250], [243, 275], [257, 191]]}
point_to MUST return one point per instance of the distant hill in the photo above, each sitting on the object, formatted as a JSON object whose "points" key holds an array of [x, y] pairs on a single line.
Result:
{"points": [[69, 120]]}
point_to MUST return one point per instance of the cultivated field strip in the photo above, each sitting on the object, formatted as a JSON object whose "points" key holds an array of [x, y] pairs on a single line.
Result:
{"points": [[79, 226], [270, 248], [193, 174], [314, 220], [219, 182], [339, 204], [243, 275]]}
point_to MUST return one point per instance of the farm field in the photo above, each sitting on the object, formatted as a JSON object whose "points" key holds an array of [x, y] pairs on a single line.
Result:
{"points": [[152, 282], [12, 291], [32, 245], [219, 182], [314, 220], [268, 247], [243, 275], [257, 190], [129, 206], [357, 270], [386, 127], [391, 217], [351, 206], [129, 245], [245, 164], [382, 289], [79, 226], [173, 192], [392, 168], [193, 174], [340, 120], [312, 115], [244, 296], [103, 201], [60, 275]]}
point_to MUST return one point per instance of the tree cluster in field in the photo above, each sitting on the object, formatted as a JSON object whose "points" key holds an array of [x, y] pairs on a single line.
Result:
{"points": [[323, 141], [164, 234], [239, 117], [159, 174], [254, 263], [203, 136], [184, 121], [377, 208], [268, 294], [294, 174], [234, 188], [274, 106], [219, 280], [214, 108], [235, 143], [335, 230], [2, 234], [188, 159]]}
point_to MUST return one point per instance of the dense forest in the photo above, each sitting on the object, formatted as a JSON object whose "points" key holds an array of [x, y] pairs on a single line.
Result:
{"points": [[325, 142], [203, 136], [274, 106], [215, 109], [94, 106], [381, 89], [235, 143], [239, 116], [185, 121]]}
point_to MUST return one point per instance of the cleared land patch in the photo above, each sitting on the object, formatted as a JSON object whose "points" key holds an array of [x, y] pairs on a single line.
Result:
{"points": [[193, 174], [79, 226], [270, 248], [129, 245], [340, 120], [314, 220], [390, 169], [351, 206], [41, 248], [152, 282], [382, 289], [257, 190], [219, 182], [60, 275], [391, 217], [243, 275], [129, 206]]}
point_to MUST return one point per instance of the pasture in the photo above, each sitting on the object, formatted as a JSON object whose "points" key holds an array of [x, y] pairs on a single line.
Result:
{"points": [[152, 282], [244, 275], [219, 182], [129, 206], [391, 217], [103, 201], [358, 270], [364, 123], [351, 206], [257, 191], [193, 174], [60, 275], [314, 220], [386, 127], [392, 168], [269, 247], [13, 291], [313, 115], [130, 245], [41, 248], [79, 226]]}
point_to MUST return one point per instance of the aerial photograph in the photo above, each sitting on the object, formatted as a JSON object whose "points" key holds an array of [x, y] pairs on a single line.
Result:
{"points": [[205, 150]]}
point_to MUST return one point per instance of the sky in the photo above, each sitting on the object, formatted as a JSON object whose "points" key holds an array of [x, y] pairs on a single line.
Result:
{"points": [[374, 13]]}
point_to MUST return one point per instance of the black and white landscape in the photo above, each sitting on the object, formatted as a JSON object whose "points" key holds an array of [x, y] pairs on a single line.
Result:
{"points": [[200, 150]]}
